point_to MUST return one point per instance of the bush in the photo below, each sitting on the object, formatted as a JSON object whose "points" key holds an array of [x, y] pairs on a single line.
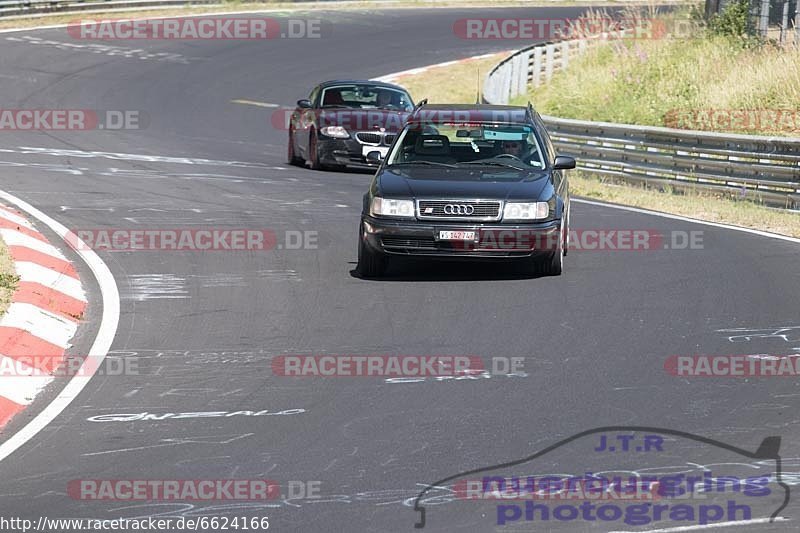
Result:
{"points": [[732, 21]]}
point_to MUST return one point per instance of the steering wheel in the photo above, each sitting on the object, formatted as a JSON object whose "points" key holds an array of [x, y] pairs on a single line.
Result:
{"points": [[508, 155]]}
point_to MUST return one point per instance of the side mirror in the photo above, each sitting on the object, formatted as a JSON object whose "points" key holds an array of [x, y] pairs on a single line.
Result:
{"points": [[374, 156], [304, 103], [563, 162]]}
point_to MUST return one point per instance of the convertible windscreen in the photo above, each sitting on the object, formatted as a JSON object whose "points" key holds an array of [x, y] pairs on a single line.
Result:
{"points": [[511, 145], [366, 97]]}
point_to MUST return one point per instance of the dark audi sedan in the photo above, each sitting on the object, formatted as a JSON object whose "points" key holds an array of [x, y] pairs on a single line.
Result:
{"points": [[468, 182]]}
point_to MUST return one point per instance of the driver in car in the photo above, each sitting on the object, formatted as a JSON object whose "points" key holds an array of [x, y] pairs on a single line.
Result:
{"points": [[384, 99], [514, 148]]}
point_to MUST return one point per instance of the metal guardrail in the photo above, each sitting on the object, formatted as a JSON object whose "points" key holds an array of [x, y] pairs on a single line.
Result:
{"points": [[760, 168]]}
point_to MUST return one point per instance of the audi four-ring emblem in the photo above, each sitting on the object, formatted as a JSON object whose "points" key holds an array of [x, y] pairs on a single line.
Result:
{"points": [[458, 209]]}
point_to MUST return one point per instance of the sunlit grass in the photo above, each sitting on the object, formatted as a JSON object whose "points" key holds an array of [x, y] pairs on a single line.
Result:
{"points": [[648, 81], [453, 84]]}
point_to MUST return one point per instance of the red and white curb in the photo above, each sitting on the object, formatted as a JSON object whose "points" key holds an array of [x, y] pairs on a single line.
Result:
{"points": [[43, 316]]}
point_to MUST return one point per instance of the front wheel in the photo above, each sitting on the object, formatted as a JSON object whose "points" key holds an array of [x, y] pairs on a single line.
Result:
{"points": [[552, 264], [291, 156], [313, 152], [370, 264]]}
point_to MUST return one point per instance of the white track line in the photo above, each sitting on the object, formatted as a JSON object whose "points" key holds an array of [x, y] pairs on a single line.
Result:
{"points": [[687, 219], [102, 342]]}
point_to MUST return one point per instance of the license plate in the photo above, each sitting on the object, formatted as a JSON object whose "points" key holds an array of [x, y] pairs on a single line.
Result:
{"points": [[448, 235], [367, 149]]}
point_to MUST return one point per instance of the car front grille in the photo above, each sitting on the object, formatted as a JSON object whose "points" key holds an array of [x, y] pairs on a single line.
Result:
{"points": [[459, 209], [375, 138], [417, 243], [368, 138]]}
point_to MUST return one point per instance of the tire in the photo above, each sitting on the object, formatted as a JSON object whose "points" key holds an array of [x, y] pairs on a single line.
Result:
{"points": [[549, 265], [370, 264], [313, 152], [291, 155]]}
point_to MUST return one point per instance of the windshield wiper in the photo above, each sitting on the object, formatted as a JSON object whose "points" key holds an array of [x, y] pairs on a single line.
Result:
{"points": [[422, 162]]}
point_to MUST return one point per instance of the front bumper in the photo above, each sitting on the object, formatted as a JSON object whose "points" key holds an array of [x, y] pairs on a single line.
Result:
{"points": [[343, 152], [493, 240]]}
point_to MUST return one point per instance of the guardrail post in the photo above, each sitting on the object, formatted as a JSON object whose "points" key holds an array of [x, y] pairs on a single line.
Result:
{"points": [[537, 66], [548, 63], [763, 20], [522, 74], [785, 22], [506, 86], [509, 82], [797, 25], [516, 70]]}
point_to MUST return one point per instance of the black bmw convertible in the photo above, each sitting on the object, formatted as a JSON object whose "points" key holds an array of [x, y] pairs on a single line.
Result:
{"points": [[342, 120]]}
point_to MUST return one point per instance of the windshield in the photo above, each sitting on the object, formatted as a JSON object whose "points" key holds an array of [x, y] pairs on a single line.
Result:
{"points": [[361, 96], [511, 145]]}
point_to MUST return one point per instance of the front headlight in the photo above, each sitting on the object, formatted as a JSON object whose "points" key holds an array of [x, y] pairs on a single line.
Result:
{"points": [[391, 208], [526, 211], [337, 132]]}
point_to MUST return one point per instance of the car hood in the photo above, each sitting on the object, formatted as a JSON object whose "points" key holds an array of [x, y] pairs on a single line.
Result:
{"points": [[471, 182], [363, 119]]}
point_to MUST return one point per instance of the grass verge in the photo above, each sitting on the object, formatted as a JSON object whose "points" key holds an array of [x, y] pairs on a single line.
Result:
{"points": [[699, 81], [8, 278], [456, 83]]}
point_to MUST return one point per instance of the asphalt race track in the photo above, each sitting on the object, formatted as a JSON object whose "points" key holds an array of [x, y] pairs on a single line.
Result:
{"points": [[203, 327]]}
